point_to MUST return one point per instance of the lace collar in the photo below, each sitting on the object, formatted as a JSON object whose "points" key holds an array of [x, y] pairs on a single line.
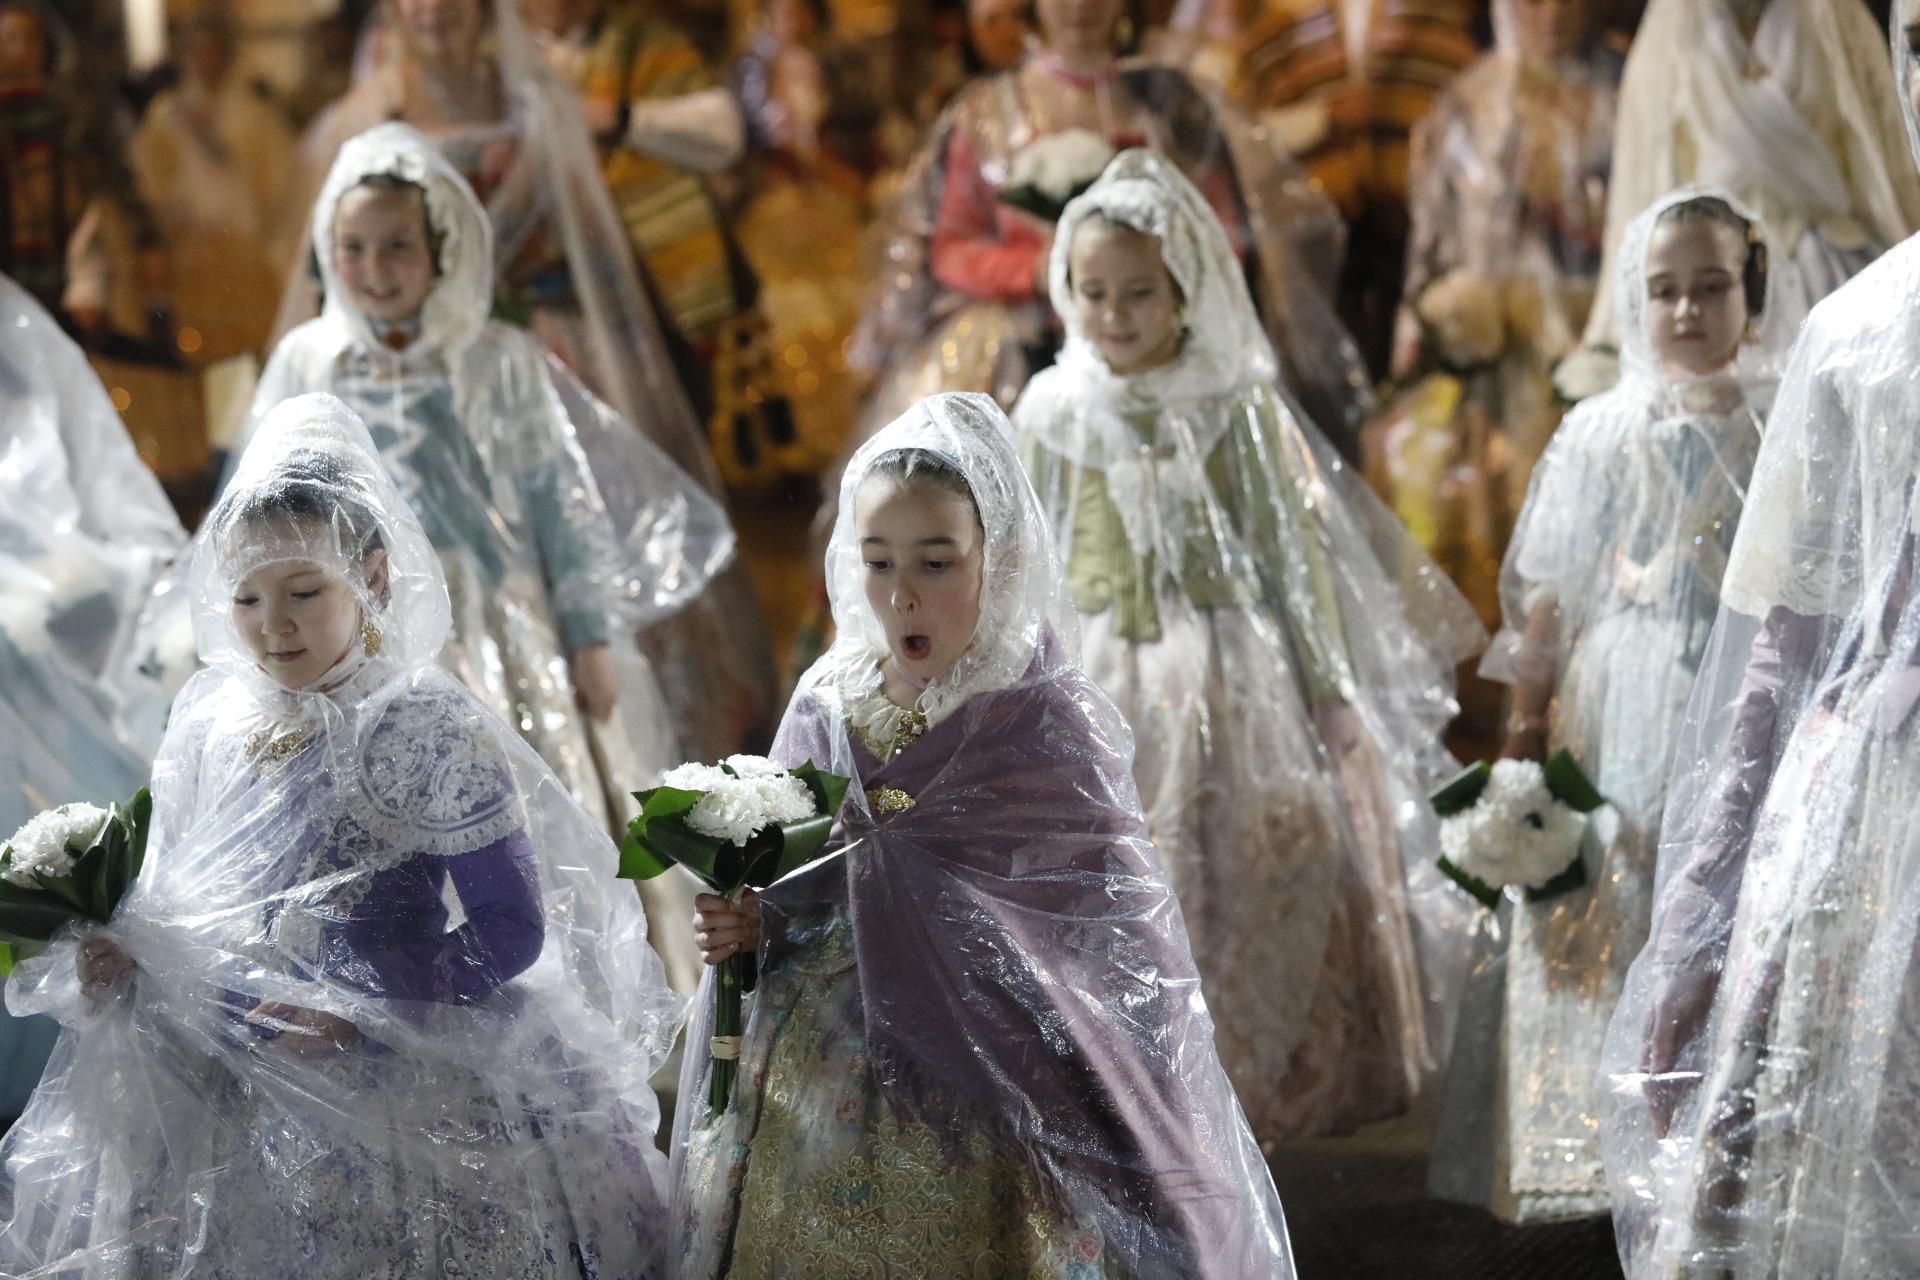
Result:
{"points": [[883, 726], [341, 690]]}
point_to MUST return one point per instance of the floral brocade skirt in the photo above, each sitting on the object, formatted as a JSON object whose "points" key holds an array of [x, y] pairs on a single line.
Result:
{"points": [[426, 1175], [1274, 875], [813, 1174]]}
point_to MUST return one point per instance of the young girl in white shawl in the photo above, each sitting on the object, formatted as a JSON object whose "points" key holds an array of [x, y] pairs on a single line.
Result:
{"points": [[548, 575], [975, 1050], [1610, 590], [1283, 651], [370, 1008]]}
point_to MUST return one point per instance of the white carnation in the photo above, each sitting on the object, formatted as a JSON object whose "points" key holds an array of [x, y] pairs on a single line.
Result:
{"points": [[1517, 832], [693, 777], [48, 843], [733, 806], [754, 767], [1060, 164]]}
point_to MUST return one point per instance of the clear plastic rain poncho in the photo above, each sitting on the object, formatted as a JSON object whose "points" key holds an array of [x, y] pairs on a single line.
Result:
{"points": [[381, 849], [486, 437], [1610, 591], [1763, 1067], [1798, 121], [984, 1002], [1286, 656], [84, 530], [564, 268]]}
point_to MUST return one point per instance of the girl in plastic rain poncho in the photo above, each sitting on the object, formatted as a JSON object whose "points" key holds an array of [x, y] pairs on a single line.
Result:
{"points": [[548, 580], [1784, 103], [960, 301], [977, 1048], [1762, 1069], [289, 1054], [1611, 587], [470, 77], [84, 531], [1287, 684]]}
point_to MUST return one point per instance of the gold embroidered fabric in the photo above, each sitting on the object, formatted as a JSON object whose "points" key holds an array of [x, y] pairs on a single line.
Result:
{"points": [[813, 1174], [839, 1184], [885, 728]]}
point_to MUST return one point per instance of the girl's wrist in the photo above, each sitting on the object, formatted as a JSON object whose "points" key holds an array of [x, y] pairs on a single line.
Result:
{"points": [[1522, 722]]}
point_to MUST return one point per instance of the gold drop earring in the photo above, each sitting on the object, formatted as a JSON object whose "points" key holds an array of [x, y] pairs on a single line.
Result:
{"points": [[370, 638]]}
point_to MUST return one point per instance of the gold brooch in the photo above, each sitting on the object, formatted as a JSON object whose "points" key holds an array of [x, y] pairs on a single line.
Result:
{"points": [[888, 800]]}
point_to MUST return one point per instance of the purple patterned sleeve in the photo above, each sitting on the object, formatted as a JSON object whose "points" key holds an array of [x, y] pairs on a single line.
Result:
{"points": [[499, 889], [403, 950]]}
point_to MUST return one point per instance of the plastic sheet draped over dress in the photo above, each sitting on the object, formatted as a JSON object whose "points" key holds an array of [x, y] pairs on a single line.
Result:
{"points": [[565, 269], [380, 848], [1610, 590], [1285, 655], [978, 1046], [84, 530], [1763, 1064]]}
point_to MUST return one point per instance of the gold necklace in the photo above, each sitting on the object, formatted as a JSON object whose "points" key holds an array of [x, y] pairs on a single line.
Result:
{"points": [[263, 747]]}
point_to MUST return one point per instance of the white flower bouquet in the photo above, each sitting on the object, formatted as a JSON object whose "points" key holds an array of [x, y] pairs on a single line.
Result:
{"points": [[741, 824], [73, 863], [1516, 823], [1047, 173], [1464, 316]]}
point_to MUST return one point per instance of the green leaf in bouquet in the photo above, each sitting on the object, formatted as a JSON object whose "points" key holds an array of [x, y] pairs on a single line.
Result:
{"points": [[7, 959], [829, 789], [801, 843], [126, 840], [31, 915], [1462, 792], [1032, 200], [118, 871], [139, 817], [638, 859], [759, 865], [1486, 894], [1571, 787], [660, 838], [1574, 877], [63, 888], [93, 873]]}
